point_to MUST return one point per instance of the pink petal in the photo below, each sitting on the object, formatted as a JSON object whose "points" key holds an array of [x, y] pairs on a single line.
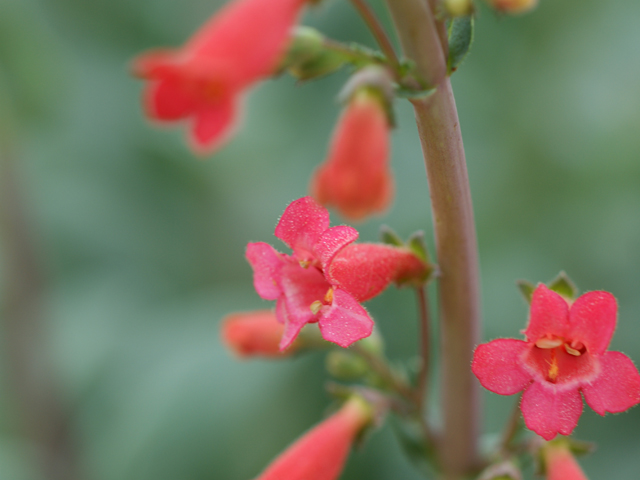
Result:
{"points": [[291, 330], [549, 411], [345, 321], [214, 124], [253, 34], [617, 388], [332, 241], [356, 178], [549, 314], [592, 320], [366, 269], [166, 100], [497, 366], [156, 63], [267, 265], [301, 226]]}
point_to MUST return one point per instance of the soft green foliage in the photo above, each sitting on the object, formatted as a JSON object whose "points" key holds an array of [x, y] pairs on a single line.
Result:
{"points": [[143, 243]]}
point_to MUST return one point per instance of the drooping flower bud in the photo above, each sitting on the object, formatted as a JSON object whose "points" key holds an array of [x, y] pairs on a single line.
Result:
{"points": [[205, 80], [251, 334], [321, 453], [560, 463], [513, 6], [356, 178]]}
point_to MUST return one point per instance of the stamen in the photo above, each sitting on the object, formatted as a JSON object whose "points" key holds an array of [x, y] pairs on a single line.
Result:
{"points": [[553, 367], [329, 296], [305, 263], [315, 307], [572, 351], [547, 343]]}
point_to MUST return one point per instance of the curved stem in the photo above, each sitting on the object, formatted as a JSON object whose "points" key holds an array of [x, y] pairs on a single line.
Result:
{"points": [[439, 131], [378, 31]]}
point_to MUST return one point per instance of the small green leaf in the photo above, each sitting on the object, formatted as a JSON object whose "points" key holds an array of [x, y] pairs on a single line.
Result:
{"points": [[460, 40], [417, 245], [388, 236], [526, 289], [563, 285]]}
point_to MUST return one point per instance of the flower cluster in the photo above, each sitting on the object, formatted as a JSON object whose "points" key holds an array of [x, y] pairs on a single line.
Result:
{"points": [[565, 353], [327, 276]]}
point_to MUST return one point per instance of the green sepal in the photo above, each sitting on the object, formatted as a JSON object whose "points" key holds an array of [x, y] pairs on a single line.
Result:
{"points": [[418, 246], [388, 236], [526, 289], [307, 57], [460, 34], [411, 94], [563, 285]]}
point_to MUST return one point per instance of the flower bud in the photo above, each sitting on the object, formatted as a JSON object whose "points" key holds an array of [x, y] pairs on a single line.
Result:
{"points": [[458, 8], [320, 454], [346, 366], [560, 464], [253, 334], [513, 6], [307, 56]]}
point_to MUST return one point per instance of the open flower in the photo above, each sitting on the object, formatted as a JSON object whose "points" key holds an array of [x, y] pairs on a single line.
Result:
{"points": [[321, 453], [560, 463], [565, 353], [322, 281], [205, 80], [356, 178]]}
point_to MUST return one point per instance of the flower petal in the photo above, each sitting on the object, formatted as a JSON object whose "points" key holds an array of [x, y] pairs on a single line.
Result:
{"points": [[166, 100], [214, 124], [345, 321], [548, 411], [497, 366], [592, 320], [617, 388], [549, 314], [301, 226], [332, 241], [366, 269], [267, 265]]}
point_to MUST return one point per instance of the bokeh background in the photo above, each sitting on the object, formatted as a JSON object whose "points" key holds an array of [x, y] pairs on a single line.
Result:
{"points": [[133, 249]]}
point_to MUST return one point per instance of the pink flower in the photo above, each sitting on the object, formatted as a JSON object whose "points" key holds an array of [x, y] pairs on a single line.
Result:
{"points": [[560, 464], [355, 177], [205, 80], [565, 353], [252, 334], [321, 453], [325, 279]]}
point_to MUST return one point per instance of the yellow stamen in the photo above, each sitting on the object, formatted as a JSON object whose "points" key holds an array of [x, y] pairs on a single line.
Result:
{"points": [[305, 263], [329, 296], [316, 306], [547, 343], [572, 351], [553, 367]]}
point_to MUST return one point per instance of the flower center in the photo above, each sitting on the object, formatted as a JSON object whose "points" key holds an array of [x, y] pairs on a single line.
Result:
{"points": [[558, 360], [318, 304]]}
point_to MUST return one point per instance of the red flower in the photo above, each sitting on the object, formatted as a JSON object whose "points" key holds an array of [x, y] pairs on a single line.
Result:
{"points": [[564, 354], [324, 281], [355, 177], [206, 79], [560, 464], [321, 453], [253, 334]]}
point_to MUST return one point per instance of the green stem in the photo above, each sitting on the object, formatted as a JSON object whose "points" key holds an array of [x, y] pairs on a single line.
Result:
{"points": [[439, 131]]}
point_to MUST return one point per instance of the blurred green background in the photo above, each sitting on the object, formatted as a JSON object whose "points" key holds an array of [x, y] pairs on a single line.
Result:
{"points": [[141, 245]]}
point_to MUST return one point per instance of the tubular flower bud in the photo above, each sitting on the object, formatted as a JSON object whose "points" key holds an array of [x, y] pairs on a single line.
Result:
{"points": [[560, 464], [356, 178], [205, 80], [564, 354], [253, 334], [321, 453], [513, 6]]}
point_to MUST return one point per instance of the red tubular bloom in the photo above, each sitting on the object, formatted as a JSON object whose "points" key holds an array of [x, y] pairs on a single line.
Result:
{"points": [[206, 78], [321, 453], [355, 177], [252, 334], [565, 353], [325, 278], [560, 464]]}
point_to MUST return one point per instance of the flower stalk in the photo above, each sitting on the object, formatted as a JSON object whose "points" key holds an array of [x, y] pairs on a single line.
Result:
{"points": [[456, 245]]}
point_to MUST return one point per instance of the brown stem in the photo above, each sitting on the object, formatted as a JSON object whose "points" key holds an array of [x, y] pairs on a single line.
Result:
{"points": [[425, 346], [378, 31], [456, 245], [43, 416]]}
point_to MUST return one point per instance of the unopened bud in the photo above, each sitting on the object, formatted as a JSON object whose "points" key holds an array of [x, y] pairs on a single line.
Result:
{"points": [[307, 56], [346, 366], [254, 334], [458, 8]]}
